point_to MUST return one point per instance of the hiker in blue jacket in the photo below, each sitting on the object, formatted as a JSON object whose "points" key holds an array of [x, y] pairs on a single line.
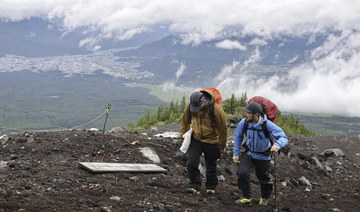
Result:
{"points": [[257, 151]]}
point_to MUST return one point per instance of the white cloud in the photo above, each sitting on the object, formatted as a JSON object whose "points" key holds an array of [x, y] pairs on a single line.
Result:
{"points": [[330, 81], [198, 21], [328, 84], [258, 42], [180, 71], [229, 44]]}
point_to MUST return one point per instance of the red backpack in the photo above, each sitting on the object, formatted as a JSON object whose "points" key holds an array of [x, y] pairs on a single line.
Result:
{"points": [[269, 108]]}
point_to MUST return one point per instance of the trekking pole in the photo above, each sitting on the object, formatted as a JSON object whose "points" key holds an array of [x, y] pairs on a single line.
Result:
{"points": [[275, 180]]}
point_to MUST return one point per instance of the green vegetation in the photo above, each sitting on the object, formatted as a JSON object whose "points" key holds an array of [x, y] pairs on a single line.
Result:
{"points": [[232, 107], [48, 100], [171, 113]]}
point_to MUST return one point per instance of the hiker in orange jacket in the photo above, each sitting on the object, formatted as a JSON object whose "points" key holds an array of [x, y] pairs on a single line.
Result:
{"points": [[208, 122]]}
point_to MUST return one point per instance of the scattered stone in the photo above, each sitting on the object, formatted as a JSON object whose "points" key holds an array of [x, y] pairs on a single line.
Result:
{"points": [[93, 129], [232, 122], [4, 139], [150, 154], [177, 142], [30, 139], [328, 169], [116, 198], [180, 155], [105, 209], [3, 164], [221, 178], [168, 135], [304, 181], [159, 206], [316, 161], [330, 152], [134, 178], [153, 130], [117, 129], [202, 171]]}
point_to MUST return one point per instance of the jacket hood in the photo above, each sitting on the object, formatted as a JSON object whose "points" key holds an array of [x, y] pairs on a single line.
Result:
{"points": [[264, 118], [211, 95]]}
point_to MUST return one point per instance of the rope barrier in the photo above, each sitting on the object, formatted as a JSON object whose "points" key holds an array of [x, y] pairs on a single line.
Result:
{"points": [[57, 130], [79, 126], [133, 143]]}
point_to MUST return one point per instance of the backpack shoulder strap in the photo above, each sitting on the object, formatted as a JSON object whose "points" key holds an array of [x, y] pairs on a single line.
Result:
{"points": [[211, 114], [212, 118], [266, 132], [245, 127]]}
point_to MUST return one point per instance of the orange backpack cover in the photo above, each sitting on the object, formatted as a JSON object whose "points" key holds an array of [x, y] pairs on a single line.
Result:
{"points": [[218, 99]]}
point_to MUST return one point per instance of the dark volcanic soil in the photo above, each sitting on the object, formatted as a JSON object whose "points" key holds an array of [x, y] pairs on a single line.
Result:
{"points": [[40, 172]]}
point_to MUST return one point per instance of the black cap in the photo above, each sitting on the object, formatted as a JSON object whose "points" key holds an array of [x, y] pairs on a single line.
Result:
{"points": [[196, 101], [253, 107]]}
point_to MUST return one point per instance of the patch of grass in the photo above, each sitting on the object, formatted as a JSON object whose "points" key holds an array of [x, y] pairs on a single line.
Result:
{"points": [[159, 92]]}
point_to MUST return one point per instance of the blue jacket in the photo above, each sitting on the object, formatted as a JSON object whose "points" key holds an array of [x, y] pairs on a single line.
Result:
{"points": [[256, 140]]}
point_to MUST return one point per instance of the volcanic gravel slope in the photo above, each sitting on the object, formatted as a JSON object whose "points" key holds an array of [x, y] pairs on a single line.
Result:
{"points": [[41, 172]]}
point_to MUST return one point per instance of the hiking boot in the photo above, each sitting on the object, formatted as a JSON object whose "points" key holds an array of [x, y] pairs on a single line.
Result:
{"points": [[192, 191], [211, 192], [243, 201], [263, 201]]}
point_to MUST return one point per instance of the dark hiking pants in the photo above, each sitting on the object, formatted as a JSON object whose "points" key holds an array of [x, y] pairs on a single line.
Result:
{"points": [[211, 153], [262, 173]]}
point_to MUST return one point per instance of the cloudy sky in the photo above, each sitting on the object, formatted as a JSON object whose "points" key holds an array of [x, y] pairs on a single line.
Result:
{"points": [[329, 83]]}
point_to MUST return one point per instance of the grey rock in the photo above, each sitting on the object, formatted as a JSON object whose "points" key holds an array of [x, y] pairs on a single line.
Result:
{"points": [[30, 140], [221, 178], [117, 129], [316, 161], [105, 209], [232, 122], [328, 169], [202, 171], [134, 178], [159, 206], [330, 152], [154, 129], [180, 155], [150, 154], [4, 139], [3, 164], [304, 181], [177, 142]]}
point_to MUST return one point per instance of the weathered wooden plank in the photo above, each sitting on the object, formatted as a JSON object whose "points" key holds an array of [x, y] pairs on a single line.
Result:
{"points": [[97, 167]]}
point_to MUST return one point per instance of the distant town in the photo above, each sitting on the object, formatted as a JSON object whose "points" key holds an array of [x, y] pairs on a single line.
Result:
{"points": [[75, 64]]}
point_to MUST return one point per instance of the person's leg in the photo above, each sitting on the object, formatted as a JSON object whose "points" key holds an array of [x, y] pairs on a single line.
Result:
{"points": [[246, 162], [193, 160], [212, 154], [262, 172]]}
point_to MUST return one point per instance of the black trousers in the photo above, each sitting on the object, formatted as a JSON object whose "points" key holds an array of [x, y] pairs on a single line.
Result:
{"points": [[262, 172], [211, 153]]}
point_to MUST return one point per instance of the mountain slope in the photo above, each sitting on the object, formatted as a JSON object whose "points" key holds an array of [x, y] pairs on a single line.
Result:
{"points": [[50, 179]]}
